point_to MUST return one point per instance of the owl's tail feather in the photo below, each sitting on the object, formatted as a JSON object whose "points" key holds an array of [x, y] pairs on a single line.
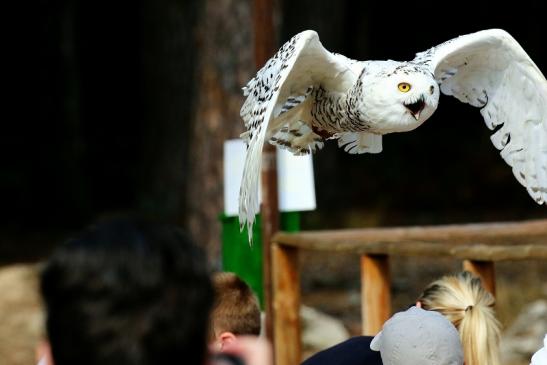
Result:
{"points": [[249, 203], [288, 130]]}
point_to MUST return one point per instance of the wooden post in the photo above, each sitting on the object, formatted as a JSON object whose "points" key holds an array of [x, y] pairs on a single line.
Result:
{"points": [[264, 31], [484, 270], [264, 40], [286, 306], [270, 225], [375, 293]]}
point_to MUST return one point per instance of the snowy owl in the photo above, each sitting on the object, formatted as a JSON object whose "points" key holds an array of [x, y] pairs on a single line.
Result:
{"points": [[305, 95]]}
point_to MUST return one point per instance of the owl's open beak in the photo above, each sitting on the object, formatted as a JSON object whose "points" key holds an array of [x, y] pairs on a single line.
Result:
{"points": [[416, 108]]}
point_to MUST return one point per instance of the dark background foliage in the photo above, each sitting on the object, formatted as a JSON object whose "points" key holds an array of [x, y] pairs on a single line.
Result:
{"points": [[125, 105]]}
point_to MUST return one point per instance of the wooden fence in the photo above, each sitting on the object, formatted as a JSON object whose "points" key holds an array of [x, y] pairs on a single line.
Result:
{"points": [[477, 245]]}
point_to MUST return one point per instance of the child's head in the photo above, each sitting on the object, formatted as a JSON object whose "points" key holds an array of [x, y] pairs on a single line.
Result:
{"points": [[236, 311]]}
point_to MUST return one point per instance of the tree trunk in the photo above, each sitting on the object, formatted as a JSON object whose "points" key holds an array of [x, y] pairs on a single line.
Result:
{"points": [[226, 64]]}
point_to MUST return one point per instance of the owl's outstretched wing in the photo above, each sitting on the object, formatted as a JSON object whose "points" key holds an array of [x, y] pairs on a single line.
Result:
{"points": [[301, 62], [490, 70]]}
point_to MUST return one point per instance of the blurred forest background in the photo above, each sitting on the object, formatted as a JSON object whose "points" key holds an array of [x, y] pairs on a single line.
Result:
{"points": [[125, 106]]}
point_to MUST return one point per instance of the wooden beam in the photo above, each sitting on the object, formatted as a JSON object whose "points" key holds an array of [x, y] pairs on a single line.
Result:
{"points": [[485, 271], [286, 305], [482, 242], [488, 233], [375, 293]]}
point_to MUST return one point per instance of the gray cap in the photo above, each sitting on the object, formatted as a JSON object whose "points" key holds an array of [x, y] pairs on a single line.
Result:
{"points": [[418, 337]]}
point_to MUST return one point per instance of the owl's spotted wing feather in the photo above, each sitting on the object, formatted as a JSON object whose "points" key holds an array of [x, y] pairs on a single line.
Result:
{"points": [[490, 70], [281, 84]]}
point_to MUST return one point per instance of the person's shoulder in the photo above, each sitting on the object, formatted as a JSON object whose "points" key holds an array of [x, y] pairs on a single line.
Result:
{"points": [[354, 351]]}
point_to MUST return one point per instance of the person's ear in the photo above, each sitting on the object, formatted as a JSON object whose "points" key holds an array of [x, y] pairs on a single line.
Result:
{"points": [[43, 353], [419, 304], [226, 338]]}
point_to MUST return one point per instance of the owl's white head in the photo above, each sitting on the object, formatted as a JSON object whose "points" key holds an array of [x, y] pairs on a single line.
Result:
{"points": [[398, 96]]}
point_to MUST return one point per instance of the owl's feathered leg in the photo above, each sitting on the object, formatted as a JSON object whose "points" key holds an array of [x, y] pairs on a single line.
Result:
{"points": [[293, 131], [360, 142]]}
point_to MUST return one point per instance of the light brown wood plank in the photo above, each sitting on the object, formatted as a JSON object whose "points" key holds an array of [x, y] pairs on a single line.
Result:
{"points": [[375, 293], [484, 270], [286, 305]]}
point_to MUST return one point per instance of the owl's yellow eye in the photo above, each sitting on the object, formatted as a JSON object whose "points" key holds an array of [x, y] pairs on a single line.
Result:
{"points": [[404, 87]]}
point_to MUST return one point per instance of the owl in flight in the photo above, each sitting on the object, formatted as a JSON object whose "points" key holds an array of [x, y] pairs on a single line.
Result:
{"points": [[305, 95]]}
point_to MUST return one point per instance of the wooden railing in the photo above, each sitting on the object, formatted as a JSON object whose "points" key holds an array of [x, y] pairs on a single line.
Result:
{"points": [[478, 245]]}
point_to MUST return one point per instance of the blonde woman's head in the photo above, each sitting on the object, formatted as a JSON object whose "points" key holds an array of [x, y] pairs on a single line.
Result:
{"points": [[463, 300]]}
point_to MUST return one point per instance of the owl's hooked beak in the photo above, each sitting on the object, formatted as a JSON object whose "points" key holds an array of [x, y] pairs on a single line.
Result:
{"points": [[416, 108]]}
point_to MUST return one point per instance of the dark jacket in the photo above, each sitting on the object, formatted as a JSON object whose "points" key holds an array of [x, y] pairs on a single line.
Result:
{"points": [[355, 351]]}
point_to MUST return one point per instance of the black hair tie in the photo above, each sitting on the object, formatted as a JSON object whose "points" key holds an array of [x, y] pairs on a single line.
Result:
{"points": [[469, 307]]}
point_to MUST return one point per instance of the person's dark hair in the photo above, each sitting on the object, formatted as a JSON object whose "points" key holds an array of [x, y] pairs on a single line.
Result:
{"points": [[127, 292]]}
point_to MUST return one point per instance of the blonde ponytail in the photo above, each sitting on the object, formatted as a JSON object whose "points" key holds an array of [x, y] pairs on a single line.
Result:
{"points": [[463, 300]]}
